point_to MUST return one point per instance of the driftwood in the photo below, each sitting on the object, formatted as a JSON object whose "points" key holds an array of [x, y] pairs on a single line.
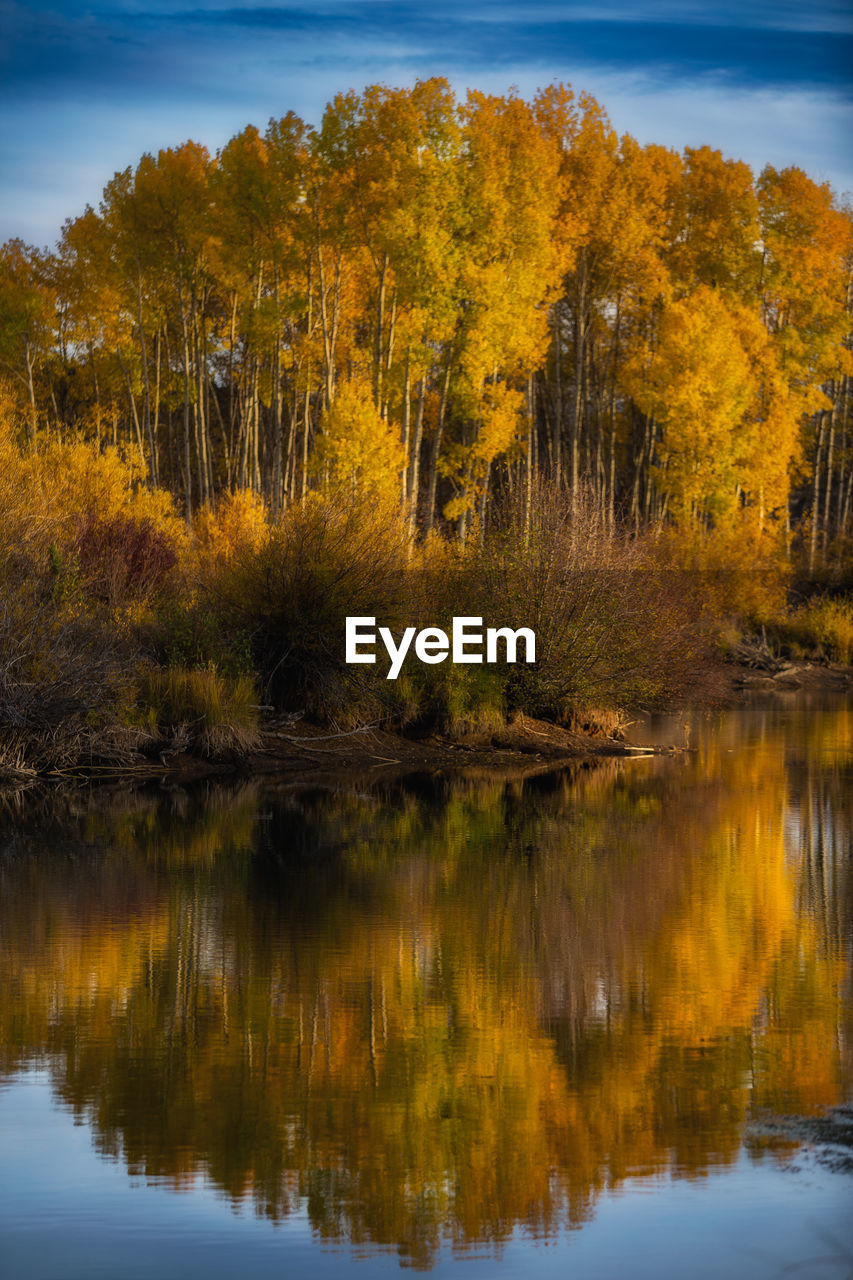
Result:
{"points": [[754, 652], [306, 743]]}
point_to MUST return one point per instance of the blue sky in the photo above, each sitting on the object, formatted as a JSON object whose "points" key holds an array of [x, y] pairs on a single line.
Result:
{"points": [[85, 89]]}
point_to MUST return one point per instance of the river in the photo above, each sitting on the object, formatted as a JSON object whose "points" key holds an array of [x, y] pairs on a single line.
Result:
{"points": [[571, 1023]]}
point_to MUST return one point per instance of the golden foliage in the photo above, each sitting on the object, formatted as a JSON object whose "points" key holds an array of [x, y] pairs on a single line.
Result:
{"points": [[238, 522], [358, 449], [45, 495]]}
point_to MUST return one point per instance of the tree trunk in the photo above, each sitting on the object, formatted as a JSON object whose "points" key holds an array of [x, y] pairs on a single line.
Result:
{"points": [[816, 491], [415, 462], [188, 479], [436, 447], [580, 343], [277, 477], [828, 491], [407, 414], [377, 339], [32, 422], [146, 403], [556, 440], [528, 476]]}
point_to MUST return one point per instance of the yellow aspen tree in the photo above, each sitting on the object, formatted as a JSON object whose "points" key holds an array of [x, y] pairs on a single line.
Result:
{"points": [[697, 384], [716, 238], [173, 205], [768, 445], [807, 244], [508, 276], [259, 187], [110, 313], [27, 315], [358, 449]]}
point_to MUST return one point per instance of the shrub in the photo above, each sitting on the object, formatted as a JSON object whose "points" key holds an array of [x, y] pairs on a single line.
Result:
{"points": [[325, 560], [742, 571], [123, 559], [189, 633], [600, 722], [614, 628], [236, 524], [45, 496], [455, 700], [612, 625], [63, 680], [820, 628], [466, 700]]}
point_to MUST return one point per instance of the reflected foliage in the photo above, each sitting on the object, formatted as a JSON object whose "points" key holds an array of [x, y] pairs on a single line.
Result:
{"points": [[430, 1013]]}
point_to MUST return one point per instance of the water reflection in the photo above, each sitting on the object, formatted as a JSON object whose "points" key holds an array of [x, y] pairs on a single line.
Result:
{"points": [[437, 1011]]}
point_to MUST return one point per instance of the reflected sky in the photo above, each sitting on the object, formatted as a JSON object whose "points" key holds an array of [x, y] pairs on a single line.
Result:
{"points": [[86, 88], [774, 1223]]}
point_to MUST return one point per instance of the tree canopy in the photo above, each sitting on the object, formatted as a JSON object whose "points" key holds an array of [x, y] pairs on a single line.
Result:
{"points": [[445, 299]]}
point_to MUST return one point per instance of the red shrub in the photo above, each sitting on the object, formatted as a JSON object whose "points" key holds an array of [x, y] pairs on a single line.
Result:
{"points": [[122, 559]]}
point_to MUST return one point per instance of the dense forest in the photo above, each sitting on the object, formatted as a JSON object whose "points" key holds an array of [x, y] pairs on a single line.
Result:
{"points": [[433, 358], [444, 302]]}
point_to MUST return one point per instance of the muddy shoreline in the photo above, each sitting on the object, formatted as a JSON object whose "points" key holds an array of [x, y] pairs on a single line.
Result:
{"points": [[301, 754]]}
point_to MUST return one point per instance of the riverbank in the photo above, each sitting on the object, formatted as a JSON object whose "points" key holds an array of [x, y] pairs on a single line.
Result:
{"points": [[292, 749], [760, 669], [295, 751], [297, 748]]}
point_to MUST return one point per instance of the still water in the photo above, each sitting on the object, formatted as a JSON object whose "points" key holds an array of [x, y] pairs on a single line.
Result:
{"points": [[487, 1025]]}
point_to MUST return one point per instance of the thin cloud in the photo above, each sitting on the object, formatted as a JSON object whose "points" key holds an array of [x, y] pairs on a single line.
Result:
{"points": [[84, 92]]}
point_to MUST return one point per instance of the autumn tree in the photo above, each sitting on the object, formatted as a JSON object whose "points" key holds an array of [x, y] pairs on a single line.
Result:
{"points": [[27, 321], [806, 304], [518, 292]]}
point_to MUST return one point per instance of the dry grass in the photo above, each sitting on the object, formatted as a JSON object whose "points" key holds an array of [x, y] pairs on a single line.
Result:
{"points": [[215, 714], [599, 722]]}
